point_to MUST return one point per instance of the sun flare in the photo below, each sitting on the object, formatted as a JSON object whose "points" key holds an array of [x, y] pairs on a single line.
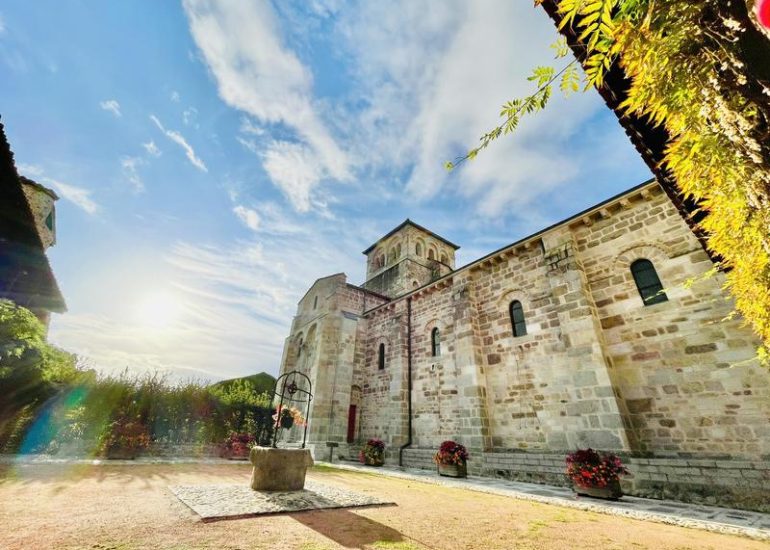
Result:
{"points": [[158, 310]]}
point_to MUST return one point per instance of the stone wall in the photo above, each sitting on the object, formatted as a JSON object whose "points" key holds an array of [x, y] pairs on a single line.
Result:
{"points": [[41, 202], [672, 382], [718, 482], [685, 373]]}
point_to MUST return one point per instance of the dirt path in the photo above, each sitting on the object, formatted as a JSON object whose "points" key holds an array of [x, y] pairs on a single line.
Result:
{"points": [[130, 507]]}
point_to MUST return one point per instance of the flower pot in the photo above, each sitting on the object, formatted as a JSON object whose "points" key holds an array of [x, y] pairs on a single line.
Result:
{"points": [[369, 461], [453, 470], [121, 453], [610, 491]]}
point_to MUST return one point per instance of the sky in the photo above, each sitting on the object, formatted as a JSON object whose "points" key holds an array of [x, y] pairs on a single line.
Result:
{"points": [[214, 158]]}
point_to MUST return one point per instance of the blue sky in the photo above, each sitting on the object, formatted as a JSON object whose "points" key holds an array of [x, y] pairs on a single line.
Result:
{"points": [[214, 158]]}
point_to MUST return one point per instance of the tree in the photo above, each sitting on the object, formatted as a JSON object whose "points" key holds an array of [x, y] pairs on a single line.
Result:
{"points": [[700, 70], [31, 370]]}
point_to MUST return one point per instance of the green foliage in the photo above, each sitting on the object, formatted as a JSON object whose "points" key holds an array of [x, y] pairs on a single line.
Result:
{"points": [[94, 414], [700, 70], [261, 383], [30, 368]]}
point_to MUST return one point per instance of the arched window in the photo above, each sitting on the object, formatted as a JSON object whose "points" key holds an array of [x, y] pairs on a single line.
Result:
{"points": [[431, 255], [435, 342], [647, 282], [315, 302], [299, 348], [398, 250], [444, 259], [418, 249], [381, 357], [518, 324]]}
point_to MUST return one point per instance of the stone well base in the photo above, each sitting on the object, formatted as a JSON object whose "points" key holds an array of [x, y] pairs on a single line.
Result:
{"points": [[279, 469]]}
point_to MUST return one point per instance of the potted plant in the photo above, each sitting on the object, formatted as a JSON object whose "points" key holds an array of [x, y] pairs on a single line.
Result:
{"points": [[451, 459], [373, 453], [595, 474], [125, 439], [237, 446], [287, 417]]}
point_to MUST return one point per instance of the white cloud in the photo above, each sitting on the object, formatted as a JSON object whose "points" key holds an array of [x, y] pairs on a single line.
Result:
{"points": [[434, 85], [248, 127], [130, 171], [112, 106], [235, 302], [249, 144], [294, 168], [177, 138], [30, 170], [151, 148], [189, 115], [2, 24], [256, 73], [249, 217], [175, 96], [79, 196]]}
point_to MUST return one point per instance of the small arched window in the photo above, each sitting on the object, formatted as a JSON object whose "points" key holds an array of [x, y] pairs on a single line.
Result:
{"points": [[315, 302], [435, 342], [418, 249], [444, 259], [299, 348], [398, 250], [647, 282], [381, 357], [518, 324], [431, 255]]}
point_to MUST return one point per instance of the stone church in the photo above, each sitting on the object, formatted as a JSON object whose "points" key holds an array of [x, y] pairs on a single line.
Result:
{"points": [[604, 330]]}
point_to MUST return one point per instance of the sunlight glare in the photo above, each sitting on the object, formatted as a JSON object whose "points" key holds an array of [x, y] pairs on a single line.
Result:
{"points": [[158, 310]]}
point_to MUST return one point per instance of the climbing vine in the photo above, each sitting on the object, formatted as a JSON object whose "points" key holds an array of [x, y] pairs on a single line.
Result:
{"points": [[701, 70]]}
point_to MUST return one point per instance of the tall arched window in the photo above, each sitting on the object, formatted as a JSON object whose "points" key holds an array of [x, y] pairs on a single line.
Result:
{"points": [[647, 282], [444, 259], [435, 342], [381, 357], [518, 324], [315, 302], [431, 255], [299, 348], [418, 249]]}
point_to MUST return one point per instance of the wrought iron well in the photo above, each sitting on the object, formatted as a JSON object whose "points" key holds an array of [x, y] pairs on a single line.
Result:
{"points": [[287, 390]]}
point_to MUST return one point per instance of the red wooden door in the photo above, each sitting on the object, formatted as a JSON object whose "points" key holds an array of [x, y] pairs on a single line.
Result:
{"points": [[351, 423]]}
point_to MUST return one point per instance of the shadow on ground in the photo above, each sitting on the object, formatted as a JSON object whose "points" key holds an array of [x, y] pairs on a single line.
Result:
{"points": [[347, 529]]}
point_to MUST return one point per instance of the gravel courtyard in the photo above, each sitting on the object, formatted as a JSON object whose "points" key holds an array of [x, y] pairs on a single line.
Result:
{"points": [[126, 507]]}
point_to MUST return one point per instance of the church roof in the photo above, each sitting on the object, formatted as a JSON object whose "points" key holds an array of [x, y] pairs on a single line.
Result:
{"points": [[25, 274], [650, 140], [416, 226]]}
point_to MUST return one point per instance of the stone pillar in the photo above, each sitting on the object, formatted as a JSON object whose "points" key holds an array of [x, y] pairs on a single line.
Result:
{"points": [[469, 362], [591, 416]]}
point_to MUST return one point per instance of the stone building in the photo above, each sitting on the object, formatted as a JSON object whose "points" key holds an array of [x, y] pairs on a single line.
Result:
{"points": [[41, 202], [600, 331], [27, 229]]}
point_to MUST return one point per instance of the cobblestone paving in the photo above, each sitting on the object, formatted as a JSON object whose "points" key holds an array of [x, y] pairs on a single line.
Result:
{"points": [[755, 525], [217, 502]]}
